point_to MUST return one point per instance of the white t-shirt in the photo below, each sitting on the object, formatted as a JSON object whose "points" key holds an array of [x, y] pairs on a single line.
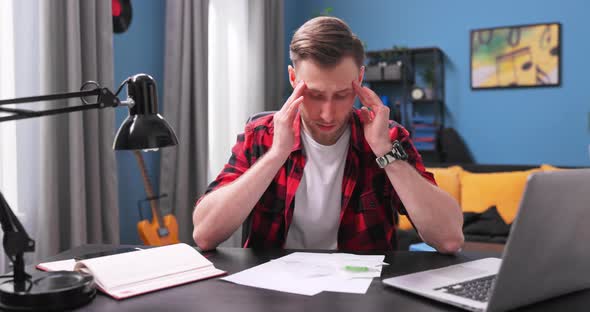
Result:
{"points": [[316, 217]]}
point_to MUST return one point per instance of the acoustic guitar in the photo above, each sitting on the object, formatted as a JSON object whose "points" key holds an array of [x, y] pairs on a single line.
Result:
{"points": [[161, 230]]}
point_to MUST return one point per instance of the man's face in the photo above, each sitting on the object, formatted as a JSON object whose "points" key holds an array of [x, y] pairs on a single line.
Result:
{"points": [[328, 98]]}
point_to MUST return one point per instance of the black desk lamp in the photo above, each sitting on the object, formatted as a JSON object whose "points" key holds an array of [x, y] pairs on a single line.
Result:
{"points": [[143, 129]]}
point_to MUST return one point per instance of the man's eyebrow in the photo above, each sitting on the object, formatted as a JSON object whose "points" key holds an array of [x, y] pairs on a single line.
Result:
{"points": [[343, 90]]}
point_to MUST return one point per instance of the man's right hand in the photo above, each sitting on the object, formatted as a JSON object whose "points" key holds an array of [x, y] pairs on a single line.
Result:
{"points": [[221, 212], [284, 136]]}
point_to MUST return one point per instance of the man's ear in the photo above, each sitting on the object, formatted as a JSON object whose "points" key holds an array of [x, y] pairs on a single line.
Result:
{"points": [[292, 76], [361, 75]]}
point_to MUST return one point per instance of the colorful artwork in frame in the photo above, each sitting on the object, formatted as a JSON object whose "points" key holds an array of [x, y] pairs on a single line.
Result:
{"points": [[516, 56]]}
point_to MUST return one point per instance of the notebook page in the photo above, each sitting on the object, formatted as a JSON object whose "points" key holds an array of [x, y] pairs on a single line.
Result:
{"points": [[148, 264], [62, 265], [130, 290]]}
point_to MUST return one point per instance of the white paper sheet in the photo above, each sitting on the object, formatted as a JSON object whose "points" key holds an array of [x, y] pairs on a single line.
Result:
{"points": [[311, 273]]}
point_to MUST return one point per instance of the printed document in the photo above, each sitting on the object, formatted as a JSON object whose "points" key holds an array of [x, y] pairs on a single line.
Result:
{"points": [[308, 274]]}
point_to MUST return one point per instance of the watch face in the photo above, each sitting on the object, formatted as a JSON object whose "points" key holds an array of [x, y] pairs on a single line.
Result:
{"points": [[417, 93]]}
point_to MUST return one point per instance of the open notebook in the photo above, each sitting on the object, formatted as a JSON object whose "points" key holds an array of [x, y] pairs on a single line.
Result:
{"points": [[137, 272]]}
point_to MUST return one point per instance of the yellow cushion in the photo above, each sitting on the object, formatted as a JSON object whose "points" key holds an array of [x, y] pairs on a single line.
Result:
{"points": [[447, 179], [479, 191], [546, 167], [404, 223]]}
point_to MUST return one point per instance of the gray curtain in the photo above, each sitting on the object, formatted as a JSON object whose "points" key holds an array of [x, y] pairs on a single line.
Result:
{"points": [[78, 200], [184, 167], [270, 16]]}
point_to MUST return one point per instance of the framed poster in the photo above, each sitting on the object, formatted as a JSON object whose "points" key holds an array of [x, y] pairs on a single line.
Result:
{"points": [[516, 56]]}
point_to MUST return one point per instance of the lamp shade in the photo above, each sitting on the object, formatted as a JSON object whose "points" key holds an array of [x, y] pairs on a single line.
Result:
{"points": [[144, 128]]}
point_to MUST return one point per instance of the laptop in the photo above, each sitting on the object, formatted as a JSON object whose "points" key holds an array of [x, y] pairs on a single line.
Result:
{"points": [[546, 255]]}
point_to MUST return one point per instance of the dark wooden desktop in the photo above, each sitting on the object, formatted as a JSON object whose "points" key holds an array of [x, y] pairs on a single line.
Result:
{"points": [[217, 295]]}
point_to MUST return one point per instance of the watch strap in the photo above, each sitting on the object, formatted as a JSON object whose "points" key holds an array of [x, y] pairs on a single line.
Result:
{"points": [[396, 153]]}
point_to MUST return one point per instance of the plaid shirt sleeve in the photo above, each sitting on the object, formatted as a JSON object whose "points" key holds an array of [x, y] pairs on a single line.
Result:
{"points": [[397, 132]]}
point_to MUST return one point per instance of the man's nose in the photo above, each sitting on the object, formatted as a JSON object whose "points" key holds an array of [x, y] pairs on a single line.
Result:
{"points": [[327, 111]]}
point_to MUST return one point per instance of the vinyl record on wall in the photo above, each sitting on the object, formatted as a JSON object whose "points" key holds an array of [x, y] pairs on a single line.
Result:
{"points": [[121, 15]]}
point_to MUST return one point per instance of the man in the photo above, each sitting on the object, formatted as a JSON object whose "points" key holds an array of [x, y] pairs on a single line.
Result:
{"points": [[307, 175]]}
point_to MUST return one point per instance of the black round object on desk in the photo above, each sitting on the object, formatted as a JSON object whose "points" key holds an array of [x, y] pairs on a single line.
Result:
{"points": [[47, 291]]}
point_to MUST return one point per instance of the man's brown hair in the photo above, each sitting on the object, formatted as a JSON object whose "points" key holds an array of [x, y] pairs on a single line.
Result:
{"points": [[326, 40]]}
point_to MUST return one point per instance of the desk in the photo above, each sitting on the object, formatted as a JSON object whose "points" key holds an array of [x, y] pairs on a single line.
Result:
{"points": [[217, 295]]}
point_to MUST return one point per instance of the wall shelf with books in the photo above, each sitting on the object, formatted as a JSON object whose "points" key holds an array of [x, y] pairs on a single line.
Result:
{"points": [[411, 82]]}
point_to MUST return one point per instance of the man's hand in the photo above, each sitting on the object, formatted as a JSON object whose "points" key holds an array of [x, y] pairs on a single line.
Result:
{"points": [[284, 136], [375, 121], [221, 212]]}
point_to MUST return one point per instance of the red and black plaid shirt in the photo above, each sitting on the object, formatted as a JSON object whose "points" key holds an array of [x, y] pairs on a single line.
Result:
{"points": [[369, 202]]}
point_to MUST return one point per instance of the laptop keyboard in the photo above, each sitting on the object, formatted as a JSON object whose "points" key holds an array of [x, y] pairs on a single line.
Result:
{"points": [[477, 289]]}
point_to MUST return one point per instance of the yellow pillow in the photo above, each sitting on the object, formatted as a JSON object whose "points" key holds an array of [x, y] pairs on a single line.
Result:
{"points": [[546, 167], [404, 223], [479, 191], [447, 179]]}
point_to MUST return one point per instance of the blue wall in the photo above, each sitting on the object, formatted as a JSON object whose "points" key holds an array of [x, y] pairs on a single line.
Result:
{"points": [[520, 126], [139, 50], [511, 126]]}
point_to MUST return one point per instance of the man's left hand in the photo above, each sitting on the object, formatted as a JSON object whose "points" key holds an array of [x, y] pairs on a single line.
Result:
{"points": [[375, 119]]}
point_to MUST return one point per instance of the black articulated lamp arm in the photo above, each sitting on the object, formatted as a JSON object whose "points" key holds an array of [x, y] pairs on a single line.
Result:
{"points": [[144, 129], [106, 98], [16, 238], [16, 242]]}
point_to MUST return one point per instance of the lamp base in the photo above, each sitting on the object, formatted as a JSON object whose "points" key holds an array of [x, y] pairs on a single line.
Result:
{"points": [[48, 291]]}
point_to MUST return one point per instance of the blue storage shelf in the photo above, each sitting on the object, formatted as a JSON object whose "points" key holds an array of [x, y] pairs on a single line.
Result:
{"points": [[425, 146]]}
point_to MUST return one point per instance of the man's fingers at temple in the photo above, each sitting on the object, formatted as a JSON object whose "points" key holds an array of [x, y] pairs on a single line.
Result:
{"points": [[381, 109], [293, 96], [373, 96], [365, 115], [292, 109], [358, 90], [298, 91], [373, 102], [365, 96]]}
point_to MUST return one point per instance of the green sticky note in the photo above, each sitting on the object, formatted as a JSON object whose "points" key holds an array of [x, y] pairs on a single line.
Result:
{"points": [[353, 268]]}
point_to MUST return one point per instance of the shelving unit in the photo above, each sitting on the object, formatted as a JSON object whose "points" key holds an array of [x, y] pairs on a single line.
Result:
{"points": [[394, 74]]}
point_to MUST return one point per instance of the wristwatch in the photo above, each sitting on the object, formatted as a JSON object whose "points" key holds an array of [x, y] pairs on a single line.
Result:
{"points": [[396, 153]]}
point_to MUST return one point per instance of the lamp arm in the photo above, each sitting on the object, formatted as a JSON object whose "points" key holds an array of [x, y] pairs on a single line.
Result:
{"points": [[144, 128], [16, 242], [106, 98], [10, 226]]}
